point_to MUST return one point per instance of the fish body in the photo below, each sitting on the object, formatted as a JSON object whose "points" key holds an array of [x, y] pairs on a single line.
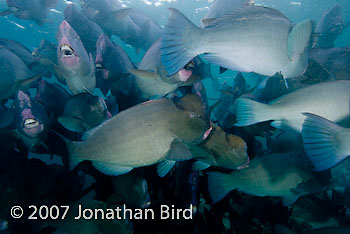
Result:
{"points": [[35, 10], [277, 175], [83, 112], [88, 30], [18, 49], [76, 66], [330, 26], [151, 77], [335, 60], [222, 7], [327, 99], [114, 19], [251, 39], [46, 55], [228, 95], [52, 96], [132, 26], [47, 50], [131, 189], [26, 56], [113, 65], [14, 74], [142, 135], [150, 29], [95, 8]]}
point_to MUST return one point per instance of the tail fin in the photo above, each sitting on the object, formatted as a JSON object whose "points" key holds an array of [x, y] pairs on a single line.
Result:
{"points": [[219, 185], [298, 39], [324, 142], [250, 112], [175, 42]]}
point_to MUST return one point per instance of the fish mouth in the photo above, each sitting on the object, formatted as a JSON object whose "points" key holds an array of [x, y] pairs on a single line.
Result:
{"points": [[66, 50], [245, 165], [99, 66], [30, 123]]}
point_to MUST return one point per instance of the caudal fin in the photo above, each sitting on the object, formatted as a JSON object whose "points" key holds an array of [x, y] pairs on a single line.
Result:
{"points": [[250, 112], [219, 185], [176, 39], [323, 142], [298, 39]]}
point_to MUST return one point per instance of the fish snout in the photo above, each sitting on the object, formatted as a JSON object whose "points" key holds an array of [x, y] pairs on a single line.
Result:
{"points": [[64, 26], [32, 127]]}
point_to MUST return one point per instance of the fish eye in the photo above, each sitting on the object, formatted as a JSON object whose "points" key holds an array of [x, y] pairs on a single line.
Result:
{"points": [[192, 114], [30, 123], [66, 50], [189, 65]]}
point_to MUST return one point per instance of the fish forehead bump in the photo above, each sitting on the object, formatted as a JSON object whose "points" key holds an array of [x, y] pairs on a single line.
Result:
{"points": [[66, 31], [191, 102], [27, 113], [23, 99], [102, 40], [102, 45], [64, 25], [235, 141]]}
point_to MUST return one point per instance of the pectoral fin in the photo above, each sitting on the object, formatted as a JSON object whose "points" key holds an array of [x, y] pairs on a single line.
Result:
{"points": [[164, 167], [111, 168], [199, 166], [178, 151]]}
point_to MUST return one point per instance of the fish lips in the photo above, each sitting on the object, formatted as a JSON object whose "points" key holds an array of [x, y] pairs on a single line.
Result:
{"points": [[66, 50], [100, 68], [68, 56], [245, 165], [184, 74]]}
